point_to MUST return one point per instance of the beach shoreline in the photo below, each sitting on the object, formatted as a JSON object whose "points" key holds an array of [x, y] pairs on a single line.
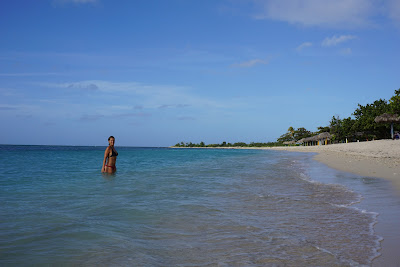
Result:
{"points": [[379, 158]]}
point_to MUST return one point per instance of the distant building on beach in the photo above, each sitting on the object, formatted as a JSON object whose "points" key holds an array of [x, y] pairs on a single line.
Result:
{"points": [[316, 140]]}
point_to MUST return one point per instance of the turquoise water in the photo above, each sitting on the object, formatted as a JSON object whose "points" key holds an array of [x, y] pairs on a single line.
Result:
{"points": [[181, 207]]}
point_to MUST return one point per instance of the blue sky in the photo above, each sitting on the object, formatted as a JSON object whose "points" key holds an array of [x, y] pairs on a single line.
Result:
{"points": [[154, 73]]}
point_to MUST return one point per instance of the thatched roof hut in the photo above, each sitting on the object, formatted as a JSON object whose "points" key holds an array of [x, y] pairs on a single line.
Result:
{"points": [[320, 138], [388, 118], [323, 138], [289, 142], [324, 135]]}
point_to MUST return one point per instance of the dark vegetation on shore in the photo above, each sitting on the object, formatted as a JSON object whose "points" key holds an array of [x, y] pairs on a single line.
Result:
{"points": [[225, 144], [360, 126]]}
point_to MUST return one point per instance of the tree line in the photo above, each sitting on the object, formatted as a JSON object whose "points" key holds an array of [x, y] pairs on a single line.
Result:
{"points": [[360, 125], [225, 144]]}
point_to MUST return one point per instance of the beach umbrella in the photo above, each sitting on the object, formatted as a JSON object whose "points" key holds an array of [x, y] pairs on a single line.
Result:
{"points": [[388, 118]]}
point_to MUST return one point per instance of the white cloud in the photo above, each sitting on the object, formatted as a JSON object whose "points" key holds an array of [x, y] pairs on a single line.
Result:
{"points": [[335, 40], [149, 96], [393, 9], [23, 74], [326, 13], [87, 87], [91, 117], [250, 63], [303, 45]]}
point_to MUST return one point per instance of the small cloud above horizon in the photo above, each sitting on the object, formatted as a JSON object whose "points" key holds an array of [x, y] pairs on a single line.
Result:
{"points": [[304, 45], [335, 40], [174, 106], [250, 63], [186, 118], [90, 117], [331, 14], [88, 87]]}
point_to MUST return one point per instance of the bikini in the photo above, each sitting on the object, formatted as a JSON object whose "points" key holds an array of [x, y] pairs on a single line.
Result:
{"points": [[112, 167], [113, 154]]}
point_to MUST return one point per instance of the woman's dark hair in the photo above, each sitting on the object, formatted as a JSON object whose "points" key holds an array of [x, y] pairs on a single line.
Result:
{"points": [[111, 137]]}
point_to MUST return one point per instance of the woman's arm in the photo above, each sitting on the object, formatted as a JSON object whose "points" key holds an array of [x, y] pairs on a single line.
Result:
{"points": [[106, 153]]}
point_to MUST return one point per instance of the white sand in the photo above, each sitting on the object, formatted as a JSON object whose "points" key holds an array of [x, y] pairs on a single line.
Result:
{"points": [[380, 158]]}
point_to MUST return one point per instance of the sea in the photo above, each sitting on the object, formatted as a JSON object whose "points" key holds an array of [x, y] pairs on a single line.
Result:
{"points": [[185, 207]]}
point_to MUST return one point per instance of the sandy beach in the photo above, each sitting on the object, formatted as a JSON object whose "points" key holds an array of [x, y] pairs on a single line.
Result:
{"points": [[379, 158]]}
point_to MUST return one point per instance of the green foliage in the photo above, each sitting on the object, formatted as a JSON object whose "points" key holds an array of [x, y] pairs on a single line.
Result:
{"points": [[365, 119], [225, 144], [362, 127], [394, 103], [285, 137], [294, 134], [240, 144], [301, 133]]}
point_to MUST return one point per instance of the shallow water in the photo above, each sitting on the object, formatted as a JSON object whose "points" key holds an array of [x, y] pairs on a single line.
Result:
{"points": [[182, 207]]}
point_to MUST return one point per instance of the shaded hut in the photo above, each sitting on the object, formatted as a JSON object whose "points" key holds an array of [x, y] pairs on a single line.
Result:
{"points": [[388, 118], [320, 139], [323, 138], [309, 141]]}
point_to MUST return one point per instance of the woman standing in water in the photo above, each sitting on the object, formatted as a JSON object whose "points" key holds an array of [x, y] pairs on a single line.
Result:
{"points": [[110, 157]]}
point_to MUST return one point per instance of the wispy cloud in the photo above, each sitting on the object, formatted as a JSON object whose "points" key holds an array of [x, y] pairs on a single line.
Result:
{"points": [[82, 86], [335, 40], [140, 114], [7, 108], [304, 45], [91, 117], [325, 13], [250, 63], [186, 118], [393, 9], [174, 106], [19, 108], [24, 74], [149, 96]]}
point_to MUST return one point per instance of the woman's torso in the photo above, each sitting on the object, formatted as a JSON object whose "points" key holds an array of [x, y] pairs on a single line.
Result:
{"points": [[112, 156]]}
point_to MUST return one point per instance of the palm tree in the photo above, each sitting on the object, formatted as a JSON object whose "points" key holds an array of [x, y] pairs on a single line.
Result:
{"points": [[291, 132]]}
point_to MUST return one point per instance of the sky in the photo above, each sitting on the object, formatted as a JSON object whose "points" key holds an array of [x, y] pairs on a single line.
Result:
{"points": [[155, 72]]}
